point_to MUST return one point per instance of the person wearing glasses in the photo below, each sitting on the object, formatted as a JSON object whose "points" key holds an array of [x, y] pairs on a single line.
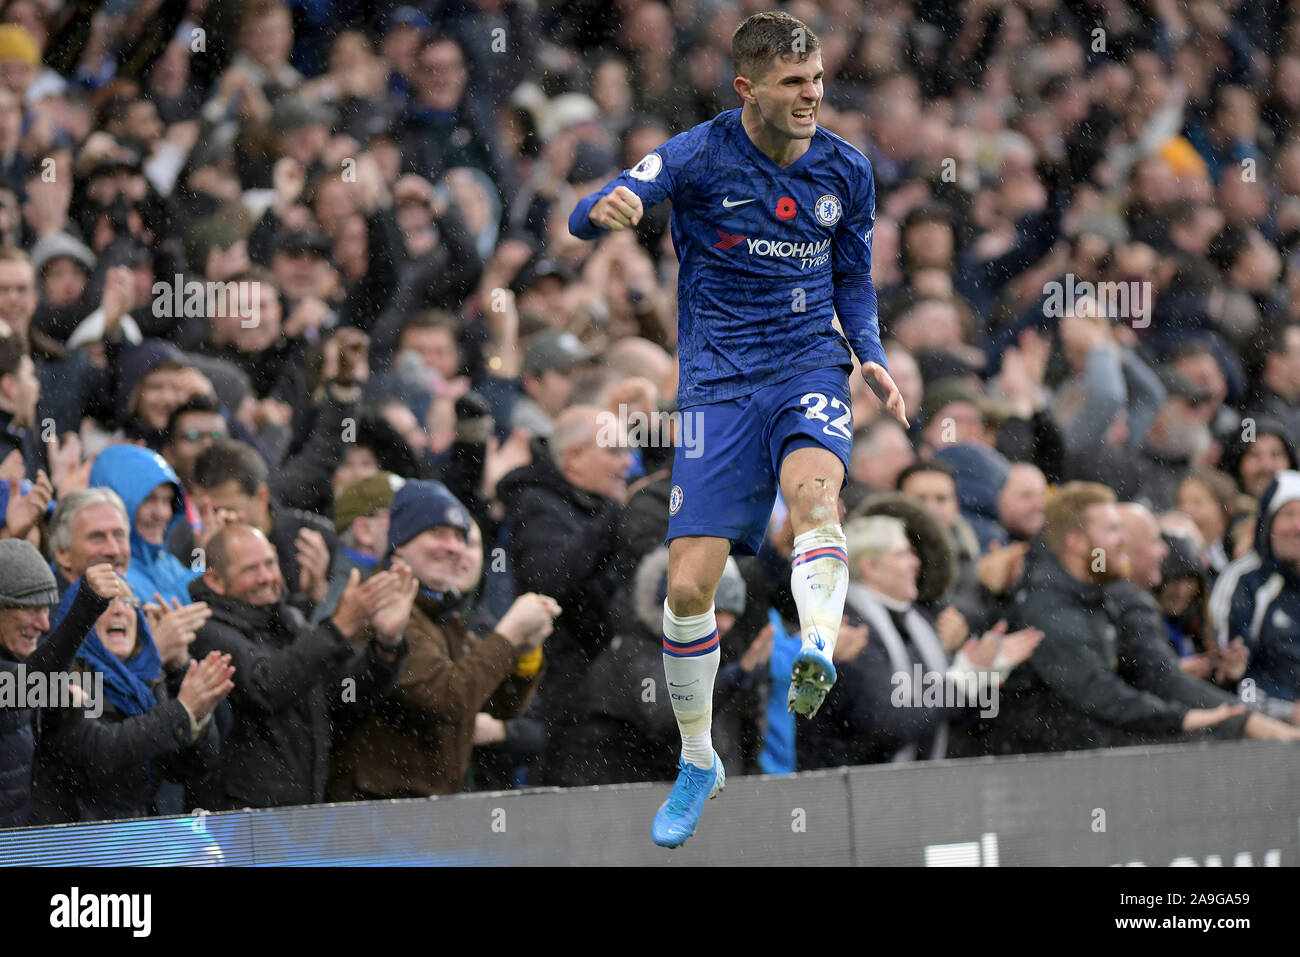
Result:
{"points": [[194, 426], [112, 760]]}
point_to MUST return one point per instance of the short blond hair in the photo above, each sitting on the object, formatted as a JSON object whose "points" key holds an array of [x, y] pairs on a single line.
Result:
{"points": [[1066, 511]]}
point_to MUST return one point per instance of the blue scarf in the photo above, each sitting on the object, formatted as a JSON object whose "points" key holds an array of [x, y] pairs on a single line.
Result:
{"points": [[126, 683], [361, 559]]}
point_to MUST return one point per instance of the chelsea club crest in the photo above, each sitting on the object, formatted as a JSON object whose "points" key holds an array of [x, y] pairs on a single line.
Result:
{"points": [[828, 210], [674, 500]]}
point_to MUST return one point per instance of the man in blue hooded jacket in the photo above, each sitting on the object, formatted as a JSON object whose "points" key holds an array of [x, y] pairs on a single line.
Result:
{"points": [[1257, 598], [149, 488]]}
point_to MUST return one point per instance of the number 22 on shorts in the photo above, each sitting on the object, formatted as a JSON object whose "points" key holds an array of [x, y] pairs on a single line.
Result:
{"points": [[838, 427]]}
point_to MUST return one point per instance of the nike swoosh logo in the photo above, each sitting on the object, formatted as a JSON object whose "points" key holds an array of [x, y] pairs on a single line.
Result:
{"points": [[687, 685], [728, 204]]}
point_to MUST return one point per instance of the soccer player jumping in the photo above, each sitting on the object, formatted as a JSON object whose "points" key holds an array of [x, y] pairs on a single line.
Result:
{"points": [[771, 221]]}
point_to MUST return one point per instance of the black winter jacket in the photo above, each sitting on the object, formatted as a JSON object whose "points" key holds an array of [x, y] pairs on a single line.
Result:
{"points": [[109, 767], [562, 544], [20, 727], [291, 684], [625, 729], [1147, 661], [859, 723], [1071, 694]]}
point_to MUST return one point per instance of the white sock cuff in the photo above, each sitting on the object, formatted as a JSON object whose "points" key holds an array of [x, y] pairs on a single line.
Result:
{"points": [[823, 536], [687, 628]]}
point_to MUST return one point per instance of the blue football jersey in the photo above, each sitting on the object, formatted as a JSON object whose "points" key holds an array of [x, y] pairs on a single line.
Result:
{"points": [[767, 254]]}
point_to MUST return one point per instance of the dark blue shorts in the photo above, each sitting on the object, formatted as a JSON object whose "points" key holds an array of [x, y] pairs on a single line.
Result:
{"points": [[729, 454]]}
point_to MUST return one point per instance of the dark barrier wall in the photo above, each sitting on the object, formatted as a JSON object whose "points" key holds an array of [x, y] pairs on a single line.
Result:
{"points": [[1228, 804]]}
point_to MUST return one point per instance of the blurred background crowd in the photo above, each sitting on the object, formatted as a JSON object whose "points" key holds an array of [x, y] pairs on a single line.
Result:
{"points": [[413, 375]]}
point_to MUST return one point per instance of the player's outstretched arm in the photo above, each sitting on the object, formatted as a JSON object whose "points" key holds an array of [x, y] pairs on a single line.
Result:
{"points": [[621, 202]]}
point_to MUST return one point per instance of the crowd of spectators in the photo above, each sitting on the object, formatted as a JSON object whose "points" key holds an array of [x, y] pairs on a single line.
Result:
{"points": [[295, 339]]}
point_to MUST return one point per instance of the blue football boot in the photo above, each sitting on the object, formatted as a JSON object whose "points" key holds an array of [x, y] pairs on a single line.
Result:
{"points": [[677, 817]]}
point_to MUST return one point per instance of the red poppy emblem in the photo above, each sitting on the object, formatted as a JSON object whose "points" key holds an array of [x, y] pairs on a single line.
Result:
{"points": [[785, 208]]}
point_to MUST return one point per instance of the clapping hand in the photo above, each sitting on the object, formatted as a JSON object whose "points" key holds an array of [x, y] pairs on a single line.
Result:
{"points": [[1001, 566], [313, 564], [24, 511], [67, 472], [952, 629], [529, 620], [1017, 647], [997, 649], [175, 626], [118, 297], [391, 600], [384, 600], [351, 612], [206, 683]]}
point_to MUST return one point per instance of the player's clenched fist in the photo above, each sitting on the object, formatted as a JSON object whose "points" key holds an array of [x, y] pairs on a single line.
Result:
{"points": [[617, 210]]}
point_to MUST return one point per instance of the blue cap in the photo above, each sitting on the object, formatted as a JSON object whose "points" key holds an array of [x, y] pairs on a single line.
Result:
{"points": [[408, 16], [420, 505]]}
